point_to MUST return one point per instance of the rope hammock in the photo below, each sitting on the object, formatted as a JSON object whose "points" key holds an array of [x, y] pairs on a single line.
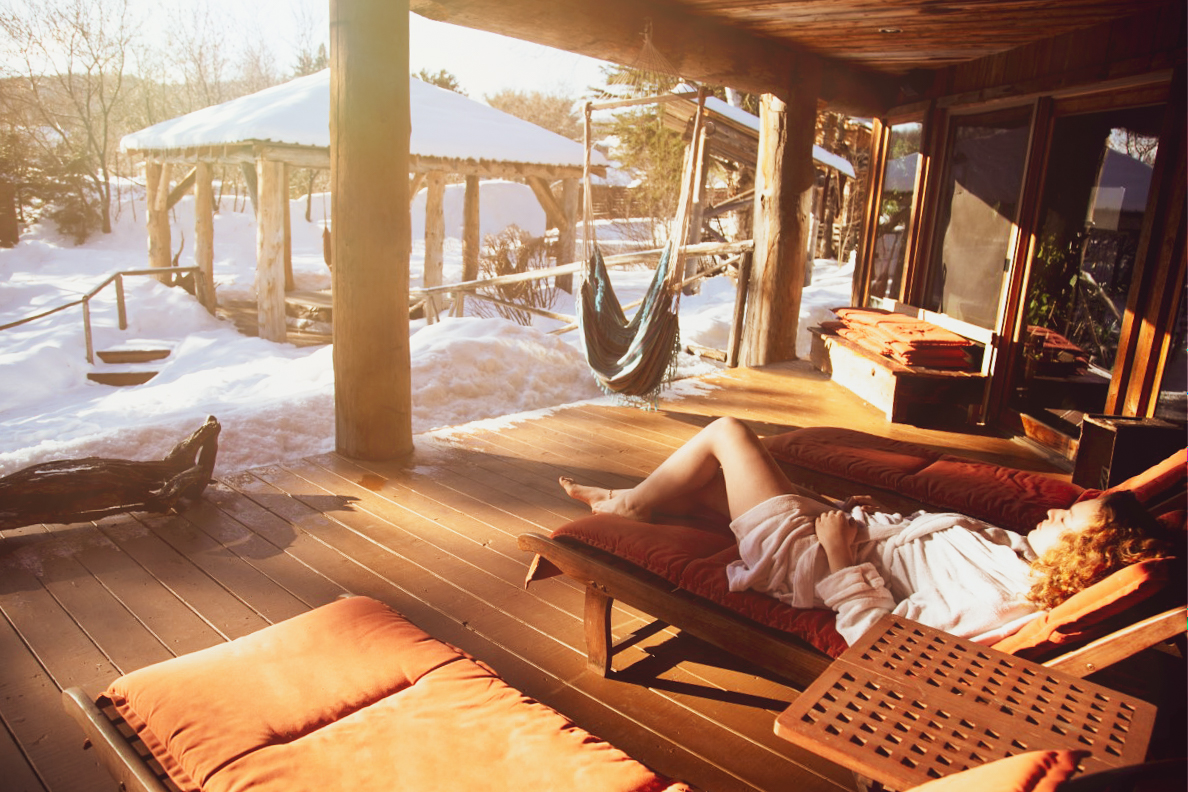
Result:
{"points": [[635, 358]]}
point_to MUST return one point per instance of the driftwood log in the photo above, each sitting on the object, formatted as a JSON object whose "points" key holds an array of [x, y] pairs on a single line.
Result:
{"points": [[77, 490]]}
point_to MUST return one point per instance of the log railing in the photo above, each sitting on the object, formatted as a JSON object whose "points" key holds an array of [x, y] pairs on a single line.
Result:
{"points": [[203, 288], [471, 288]]}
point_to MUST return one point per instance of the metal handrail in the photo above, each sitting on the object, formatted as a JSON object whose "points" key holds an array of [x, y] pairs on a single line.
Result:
{"points": [[204, 289]]}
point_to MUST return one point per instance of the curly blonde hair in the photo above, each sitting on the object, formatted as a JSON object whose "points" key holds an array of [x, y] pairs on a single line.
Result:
{"points": [[1125, 534]]}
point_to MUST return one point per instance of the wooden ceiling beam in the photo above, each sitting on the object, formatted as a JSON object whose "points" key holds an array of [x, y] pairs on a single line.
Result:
{"points": [[697, 48]]}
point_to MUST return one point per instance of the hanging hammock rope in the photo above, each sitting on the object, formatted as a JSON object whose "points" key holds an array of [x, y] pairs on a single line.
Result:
{"points": [[635, 358]]}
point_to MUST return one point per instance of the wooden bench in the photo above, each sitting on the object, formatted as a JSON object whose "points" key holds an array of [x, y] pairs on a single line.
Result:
{"points": [[907, 394]]}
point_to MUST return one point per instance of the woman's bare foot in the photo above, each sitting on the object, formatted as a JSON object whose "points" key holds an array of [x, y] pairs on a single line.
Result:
{"points": [[604, 501]]}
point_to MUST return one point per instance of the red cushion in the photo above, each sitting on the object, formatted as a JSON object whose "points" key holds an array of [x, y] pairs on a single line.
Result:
{"points": [[1034, 771], [1086, 615], [695, 560], [662, 549], [1002, 496], [352, 696], [707, 578]]}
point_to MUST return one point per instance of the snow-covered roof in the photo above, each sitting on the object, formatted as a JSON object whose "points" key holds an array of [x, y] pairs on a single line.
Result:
{"points": [[444, 124], [740, 116], [751, 121]]}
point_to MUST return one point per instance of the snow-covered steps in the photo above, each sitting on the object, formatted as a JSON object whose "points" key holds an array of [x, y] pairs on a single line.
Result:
{"points": [[119, 366], [121, 377], [132, 355]]}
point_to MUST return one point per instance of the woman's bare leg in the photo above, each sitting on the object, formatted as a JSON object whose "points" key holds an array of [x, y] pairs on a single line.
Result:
{"points": [[725, 455]]}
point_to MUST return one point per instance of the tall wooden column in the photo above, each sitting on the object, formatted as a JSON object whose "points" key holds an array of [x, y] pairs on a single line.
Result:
{"points": [[156, 185], [271, 197], [434, 239], [369, 167], [204, 232], [784, 179]]}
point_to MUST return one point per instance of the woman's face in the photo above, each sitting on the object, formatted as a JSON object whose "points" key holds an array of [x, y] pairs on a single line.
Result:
{"points": [[1076, 518]]}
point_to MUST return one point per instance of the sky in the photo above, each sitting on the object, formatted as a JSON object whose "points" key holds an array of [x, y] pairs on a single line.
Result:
{"points": [[484, 63]]}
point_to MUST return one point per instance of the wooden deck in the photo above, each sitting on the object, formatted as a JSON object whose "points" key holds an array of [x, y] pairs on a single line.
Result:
{"points": [[435, 539]]}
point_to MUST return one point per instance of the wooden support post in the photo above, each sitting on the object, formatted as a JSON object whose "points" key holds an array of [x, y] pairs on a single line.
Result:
{"points": [[369, 166], [156, 174], [288, 225], [414, 185], [567, 235], [204, 235], [598, 630], [697, 208], [784, 179], [434, 240], [270, 249], [181, 188], [470, 238]]}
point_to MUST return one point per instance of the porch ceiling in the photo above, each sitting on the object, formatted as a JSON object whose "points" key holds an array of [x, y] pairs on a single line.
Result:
{"points": [[867, 48]]}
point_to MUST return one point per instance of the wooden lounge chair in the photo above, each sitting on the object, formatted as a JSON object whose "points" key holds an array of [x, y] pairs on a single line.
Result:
{"points": [[676, 572], [347, 696]]}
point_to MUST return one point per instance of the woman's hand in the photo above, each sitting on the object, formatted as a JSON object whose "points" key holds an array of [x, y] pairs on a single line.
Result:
{"points": [[866, 502], [836, 532]]}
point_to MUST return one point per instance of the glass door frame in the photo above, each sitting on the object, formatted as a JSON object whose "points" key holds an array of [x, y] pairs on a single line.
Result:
{"points": [[1143, 348]]}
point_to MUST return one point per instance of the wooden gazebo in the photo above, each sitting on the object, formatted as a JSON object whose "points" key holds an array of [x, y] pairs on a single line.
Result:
{"points": [[287, 126]]}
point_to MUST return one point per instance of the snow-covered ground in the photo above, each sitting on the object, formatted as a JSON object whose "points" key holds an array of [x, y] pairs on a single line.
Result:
{"points": [[275, 401]]}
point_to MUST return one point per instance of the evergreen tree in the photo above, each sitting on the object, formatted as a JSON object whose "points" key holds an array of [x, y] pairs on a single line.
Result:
{"points": [[310, 63], [443, 79]]}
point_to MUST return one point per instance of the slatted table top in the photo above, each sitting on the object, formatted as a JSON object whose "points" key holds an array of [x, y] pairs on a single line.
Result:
{"points": [[908, 703]]}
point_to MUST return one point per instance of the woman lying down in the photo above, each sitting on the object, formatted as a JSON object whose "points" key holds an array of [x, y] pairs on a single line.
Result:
{"points": [[947, 571]]}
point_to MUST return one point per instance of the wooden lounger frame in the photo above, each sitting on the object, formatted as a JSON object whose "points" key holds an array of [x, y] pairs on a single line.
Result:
{"points": [[608, 577], [117, 752]]}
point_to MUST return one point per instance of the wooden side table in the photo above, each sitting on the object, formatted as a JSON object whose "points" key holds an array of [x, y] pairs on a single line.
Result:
{"points": [[908, 703]]}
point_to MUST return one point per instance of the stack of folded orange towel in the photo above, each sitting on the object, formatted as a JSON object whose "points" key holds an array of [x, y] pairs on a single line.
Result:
{"points": [[905, 339]]}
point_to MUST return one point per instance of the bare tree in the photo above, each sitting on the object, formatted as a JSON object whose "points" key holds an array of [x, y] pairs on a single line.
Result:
{"points": [[200, 54], [71, 56]]}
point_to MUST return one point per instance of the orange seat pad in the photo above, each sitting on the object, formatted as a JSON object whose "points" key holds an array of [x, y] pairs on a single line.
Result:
{"points": [[353, 696]]}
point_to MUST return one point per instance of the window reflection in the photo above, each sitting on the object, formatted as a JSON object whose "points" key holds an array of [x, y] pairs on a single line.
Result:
{"points": [[1095, 196], [895, 209], [980, 202]]}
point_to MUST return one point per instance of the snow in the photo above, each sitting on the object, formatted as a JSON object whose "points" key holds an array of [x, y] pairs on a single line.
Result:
{"points": [[444, 124], [276, 401]]}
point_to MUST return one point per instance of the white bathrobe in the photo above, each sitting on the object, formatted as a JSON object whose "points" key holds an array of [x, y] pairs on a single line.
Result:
{"points": [[946, 571]]}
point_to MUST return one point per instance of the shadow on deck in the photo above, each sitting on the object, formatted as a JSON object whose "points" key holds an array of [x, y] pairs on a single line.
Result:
{"points": [[435, 539]]}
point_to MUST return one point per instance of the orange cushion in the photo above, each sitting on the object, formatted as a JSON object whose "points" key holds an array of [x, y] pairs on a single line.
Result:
{"points": [[1160, 487], [1034, 771], [1086, 615], [353, 696]]}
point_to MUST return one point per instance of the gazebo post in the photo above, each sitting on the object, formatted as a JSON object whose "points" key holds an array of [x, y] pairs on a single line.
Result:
{"points": [[204, 233], [784, 181], [288, 226], [434, 239], [369, 166], [567, 234], [470, 239], [270, 249], [156, 185]]}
